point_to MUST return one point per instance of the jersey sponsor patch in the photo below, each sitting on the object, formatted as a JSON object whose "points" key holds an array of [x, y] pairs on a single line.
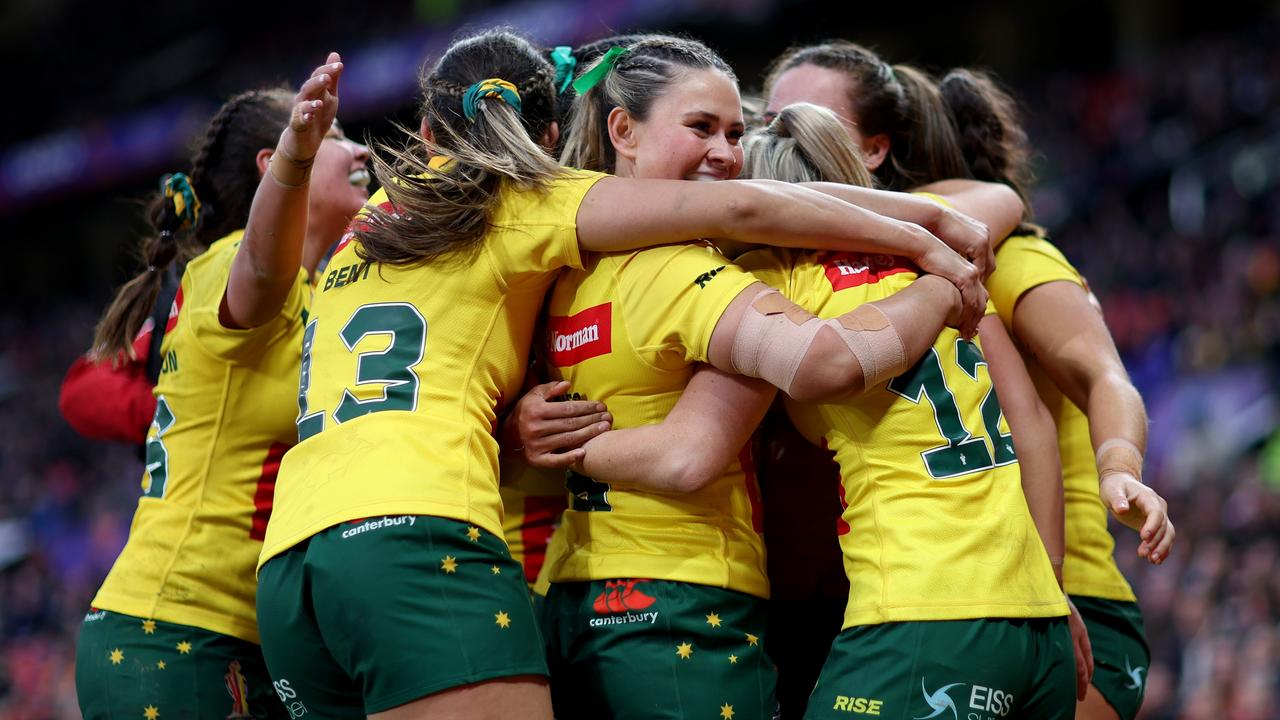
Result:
{"points": [[582, 336], [847, 270]]}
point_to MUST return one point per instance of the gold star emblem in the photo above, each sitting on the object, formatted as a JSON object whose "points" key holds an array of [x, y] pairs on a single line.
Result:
{"points": [[733, 659], [149, 627], [502, 619], [150, 712], [116, 656], [496, 570], [449, 564], [752, 639], [160, 665], [713, 620], [726, 711], [684, 650], [184, 647], [473, 532]]}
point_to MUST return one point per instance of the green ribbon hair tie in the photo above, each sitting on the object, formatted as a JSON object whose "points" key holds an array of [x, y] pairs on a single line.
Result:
{"points": [[177, 189], [491, 87], [592, 77], [566, 63]]}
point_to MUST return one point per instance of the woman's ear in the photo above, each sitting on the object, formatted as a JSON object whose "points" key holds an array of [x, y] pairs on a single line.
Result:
{"points": [[622, 133], [874, 150], [262, 159], [551, 136], [424, 129]]}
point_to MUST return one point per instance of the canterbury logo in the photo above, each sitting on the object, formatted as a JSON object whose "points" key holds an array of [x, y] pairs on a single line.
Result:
{"points": [[846, 270], [621, 596], [580, 337]]}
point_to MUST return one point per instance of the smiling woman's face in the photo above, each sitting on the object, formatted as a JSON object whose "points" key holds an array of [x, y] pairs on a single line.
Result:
{"points": [[692, 132]]}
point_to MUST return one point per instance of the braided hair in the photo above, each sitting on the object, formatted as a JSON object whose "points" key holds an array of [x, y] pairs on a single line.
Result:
{"points": [[992, 139], [221, 182]]}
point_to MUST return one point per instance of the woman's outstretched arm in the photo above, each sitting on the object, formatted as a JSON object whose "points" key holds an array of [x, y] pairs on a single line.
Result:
{"points": [[627, 213], [266, 265]]}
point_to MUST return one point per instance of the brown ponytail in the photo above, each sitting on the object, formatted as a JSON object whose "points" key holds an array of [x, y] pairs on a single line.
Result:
{"points": [[927, 147], [443, 214], [991, 136], [223, 178]]}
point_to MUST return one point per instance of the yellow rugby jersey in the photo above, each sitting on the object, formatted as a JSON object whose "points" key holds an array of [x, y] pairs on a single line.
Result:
{"points": [[532, 502], [224, 418], [935, 525], [404, 370], [629, 331], [1022, 263]]}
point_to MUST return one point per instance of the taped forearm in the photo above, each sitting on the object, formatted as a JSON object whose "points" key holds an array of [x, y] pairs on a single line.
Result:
{"points": [[775, 337]]}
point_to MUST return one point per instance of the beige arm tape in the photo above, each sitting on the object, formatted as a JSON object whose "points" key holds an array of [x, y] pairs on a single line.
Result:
{"points": [[772, 339], [1118, 455], [874, 342]]}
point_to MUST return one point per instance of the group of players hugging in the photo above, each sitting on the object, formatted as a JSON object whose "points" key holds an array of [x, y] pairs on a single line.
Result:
{"points": [[493, 442]]}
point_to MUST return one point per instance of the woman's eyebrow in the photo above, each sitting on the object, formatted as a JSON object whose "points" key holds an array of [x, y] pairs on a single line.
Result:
{"points": [[708, 115]]}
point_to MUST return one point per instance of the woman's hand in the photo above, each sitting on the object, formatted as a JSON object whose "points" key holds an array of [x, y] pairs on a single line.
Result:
{"points": [[968, 237], [1083, 651], [938, 259], [1141, 508], [314, 109], [549, 434]]}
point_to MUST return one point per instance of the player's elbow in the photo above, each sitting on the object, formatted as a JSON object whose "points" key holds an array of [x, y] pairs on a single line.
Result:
{"points": [[693, 472], [829, 371], [690, 464]]}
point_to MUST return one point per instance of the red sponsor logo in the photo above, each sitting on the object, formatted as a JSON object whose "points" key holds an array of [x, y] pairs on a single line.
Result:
{"points": [[621, 596], [580, 337], [846, 270]]}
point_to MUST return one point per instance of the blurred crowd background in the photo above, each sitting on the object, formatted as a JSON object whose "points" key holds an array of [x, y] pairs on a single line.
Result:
{"points": [[1158, 131]]}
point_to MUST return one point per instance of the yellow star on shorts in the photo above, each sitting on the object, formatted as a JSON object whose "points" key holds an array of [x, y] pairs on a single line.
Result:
{"points": [[449, 564], [713, 620], [684, 650], [726, 711], [116, 656], [150, 712], [752, 639], [149, 627], [733, 659], [496, 570], [502, 619], [160, 665], [473, 532], [184, 647]]}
